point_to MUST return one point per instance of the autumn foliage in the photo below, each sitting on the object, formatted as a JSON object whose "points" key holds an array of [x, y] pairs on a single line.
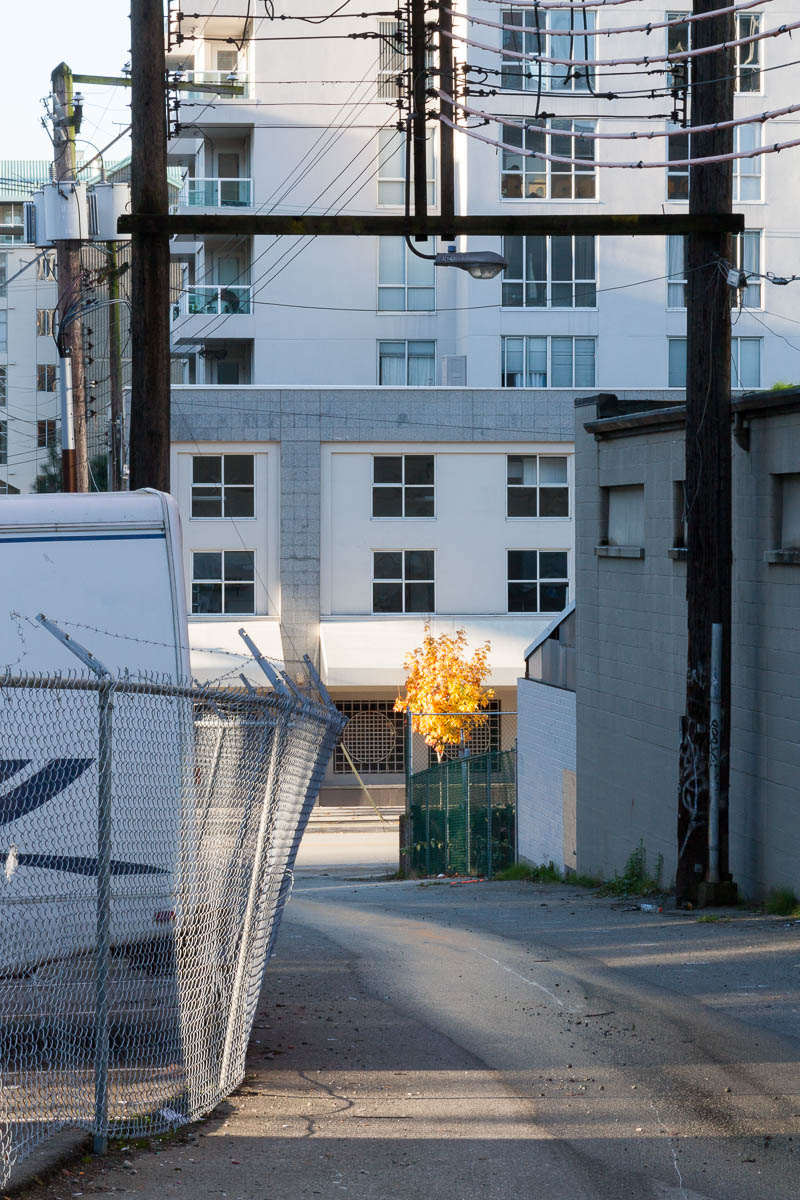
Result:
{"points": [[443, 681]]}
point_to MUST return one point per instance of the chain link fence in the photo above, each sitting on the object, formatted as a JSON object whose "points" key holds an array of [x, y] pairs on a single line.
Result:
{"points": [[148, 835], [461, 811]]}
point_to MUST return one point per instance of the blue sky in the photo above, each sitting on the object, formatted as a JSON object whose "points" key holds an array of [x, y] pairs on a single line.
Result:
{"points": [[92, 37]]}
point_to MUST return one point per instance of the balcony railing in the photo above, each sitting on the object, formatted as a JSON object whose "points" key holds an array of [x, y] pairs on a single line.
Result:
{"points": [[216, 193], [218, 300], [213, 77]]}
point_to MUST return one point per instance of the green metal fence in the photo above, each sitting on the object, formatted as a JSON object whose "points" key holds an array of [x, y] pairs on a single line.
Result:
{"points": [[462, 815]]}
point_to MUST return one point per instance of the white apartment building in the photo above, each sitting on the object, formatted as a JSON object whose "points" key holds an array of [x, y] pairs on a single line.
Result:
{"points": [[364, 442]]}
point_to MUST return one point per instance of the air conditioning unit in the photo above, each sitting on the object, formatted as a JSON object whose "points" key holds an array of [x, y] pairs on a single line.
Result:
{"points": [[454, 370]]}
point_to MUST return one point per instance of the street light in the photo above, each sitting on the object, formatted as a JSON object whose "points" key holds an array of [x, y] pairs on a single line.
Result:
{"points": [[480, 264]]}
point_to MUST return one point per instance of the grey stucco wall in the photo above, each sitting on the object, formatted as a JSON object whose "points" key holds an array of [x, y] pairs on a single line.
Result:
{"points": [[545, 750], [631, 662]]}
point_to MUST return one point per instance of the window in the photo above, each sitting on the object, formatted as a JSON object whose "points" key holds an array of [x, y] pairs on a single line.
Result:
{"points": [[746, 171], [677, 176], [223, 581], [3, 385], [548, 362], [411, 364], [11, 224], [524, 177], [223, 485], [45, 377], [625, 515], [3, 331], [405, 282], [3, 443], [745, 362], [45, 434], [748, 73], [549, 272], [403, 485], [228, 61], [547, 33], [373, 737], [787, 511], [44, 322], [402, 581], [392, 51], [676, 270], [537, 485], [3, 276], [747, 256], [537, 580], [46, 267], [392, 168]]}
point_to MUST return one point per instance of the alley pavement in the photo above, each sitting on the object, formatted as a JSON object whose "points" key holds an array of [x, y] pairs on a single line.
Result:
{"points": [[439, 1039]]}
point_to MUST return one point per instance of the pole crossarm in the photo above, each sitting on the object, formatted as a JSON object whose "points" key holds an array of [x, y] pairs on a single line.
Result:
{"points": [[221, 89], [492, 225]]}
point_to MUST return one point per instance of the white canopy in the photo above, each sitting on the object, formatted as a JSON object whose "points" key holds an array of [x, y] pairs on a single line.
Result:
{"points": [[216, 649]]}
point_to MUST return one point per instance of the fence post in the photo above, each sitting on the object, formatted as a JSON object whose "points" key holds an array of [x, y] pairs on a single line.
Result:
{"points": [[427, 822], [489, 814], [101, 1060], [446, 819], [516, 799], [468, 816]]}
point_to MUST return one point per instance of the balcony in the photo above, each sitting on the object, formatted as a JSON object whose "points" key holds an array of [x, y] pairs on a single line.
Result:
{"points": [[229, 77], [216, 193], [215, 300]]}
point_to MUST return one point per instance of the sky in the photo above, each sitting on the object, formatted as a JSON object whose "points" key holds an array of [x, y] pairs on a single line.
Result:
{"points": [[92, 37]]}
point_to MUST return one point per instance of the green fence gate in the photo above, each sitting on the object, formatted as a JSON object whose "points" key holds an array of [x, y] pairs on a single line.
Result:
{"points": [[462, 815]]}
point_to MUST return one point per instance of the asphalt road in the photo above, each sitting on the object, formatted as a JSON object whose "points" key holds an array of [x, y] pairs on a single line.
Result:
{"points": [[502, 1041]]}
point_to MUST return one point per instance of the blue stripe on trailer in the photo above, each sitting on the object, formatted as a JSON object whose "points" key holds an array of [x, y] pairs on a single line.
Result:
{"points": [[41, 787], [77, 865], [10, 766], [87, 537]]}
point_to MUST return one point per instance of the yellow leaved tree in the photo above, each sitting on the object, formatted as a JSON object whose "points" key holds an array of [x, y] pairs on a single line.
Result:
{"points": [[444, 689]]}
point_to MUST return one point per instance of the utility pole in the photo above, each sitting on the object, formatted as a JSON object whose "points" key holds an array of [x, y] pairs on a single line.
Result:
{"points": [[115, 370], [419, 100], [702, 873], [446, 132], [150, 390], [74, 457]]}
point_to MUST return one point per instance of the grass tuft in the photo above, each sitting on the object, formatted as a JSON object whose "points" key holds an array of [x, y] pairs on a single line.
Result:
{"points": [[782, 902], [635, 880], [544, 873]]}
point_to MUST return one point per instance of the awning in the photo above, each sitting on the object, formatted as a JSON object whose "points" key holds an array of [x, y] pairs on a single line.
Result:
{"points": [[369, 651], [218, 653]]}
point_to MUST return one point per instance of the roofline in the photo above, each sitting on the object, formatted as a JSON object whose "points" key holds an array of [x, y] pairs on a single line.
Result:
{"points": [[747, 405], [545, 634]]}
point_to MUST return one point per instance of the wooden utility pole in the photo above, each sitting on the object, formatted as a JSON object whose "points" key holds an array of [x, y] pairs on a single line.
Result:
{"points": [[74, 461], [446, 133], [150, 384], [419, 100], [708, 467], [115, 370]]}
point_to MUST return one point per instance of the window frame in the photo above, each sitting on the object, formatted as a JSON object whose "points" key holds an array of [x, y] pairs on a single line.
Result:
{"points": [[740, 176], [404, 286], [403, 486], [561, 580], [223, 581], [222, 486], [3, 385], [685, 36], [45, 322], [3, 331], [755, 289], [46, 433], [3, 443], [46, 371], [546, 127], [681, 173], [549, 339], [537, 487], [736, 341], [529, 41], [403, 580], [548, 282], [407, 359], [431, 167], [395, 760]]}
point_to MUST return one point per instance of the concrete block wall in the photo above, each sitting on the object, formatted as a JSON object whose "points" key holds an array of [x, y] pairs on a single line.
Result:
{"points": [[545, 750]]}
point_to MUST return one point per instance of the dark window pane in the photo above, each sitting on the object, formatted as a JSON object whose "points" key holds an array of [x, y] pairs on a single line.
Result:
{"points": [[239, 598], [419, 597], [387, 469], [561, 251], [206, 502], [206, 597], [512, 252], [387, 597], [207, 565], [522, 597], [562, 295], [238, 468], [511, 187], [207, 468], [514, 468], [419, 501], [535, 258], [419, 468], [512, 295], [553, 502], [584, 187], [239, 502], [560, 186], [419, 564], [388, 564], [522, 502], [522, 564], [536, 295], [553, 597], [387, 502], [553, 564], [239, 564], [585, 295]]}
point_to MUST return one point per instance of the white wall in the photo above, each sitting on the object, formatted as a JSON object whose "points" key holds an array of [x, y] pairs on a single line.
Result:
{"points": [[545, 750], [469, 534]]}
